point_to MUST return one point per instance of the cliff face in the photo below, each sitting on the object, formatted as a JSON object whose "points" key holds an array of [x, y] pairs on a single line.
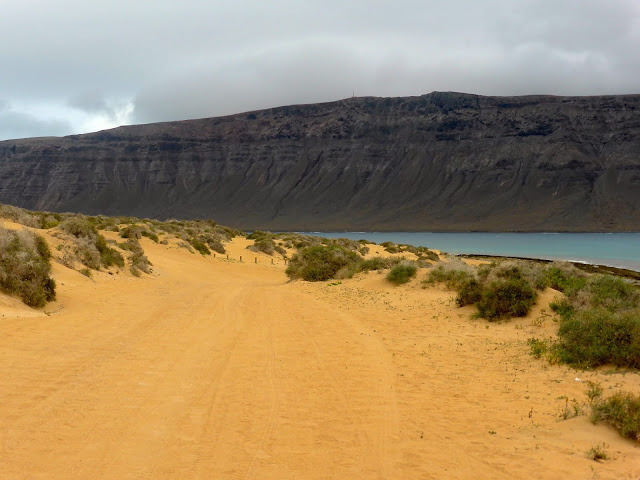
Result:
{"points": [[442, 161]]}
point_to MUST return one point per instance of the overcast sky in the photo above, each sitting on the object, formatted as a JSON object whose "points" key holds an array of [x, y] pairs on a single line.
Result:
{"points": [[70, 66]]}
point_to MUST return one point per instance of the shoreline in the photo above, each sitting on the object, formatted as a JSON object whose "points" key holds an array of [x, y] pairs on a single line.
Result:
{"points": [[583, 265]]}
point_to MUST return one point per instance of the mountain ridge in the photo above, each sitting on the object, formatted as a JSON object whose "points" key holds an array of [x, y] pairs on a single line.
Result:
{"points": [[443, 161]]}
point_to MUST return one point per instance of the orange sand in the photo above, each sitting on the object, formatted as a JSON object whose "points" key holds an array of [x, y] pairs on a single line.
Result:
{"points": [[216, 369]]}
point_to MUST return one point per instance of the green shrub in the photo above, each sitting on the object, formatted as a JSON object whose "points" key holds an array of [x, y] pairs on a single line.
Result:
{"points": [[469, 292], [139, 261], [92, 249], [319, 263], [200, 246], [263, 244], [612, 293], [78, 227], [402, 272], [390, 247], [538, 347], [453, 276], [378, 263], [563, 308], [565, 277], [598, 336], [621, 411], [25, 268], [512, 297], [108, 256], [215, 245]]}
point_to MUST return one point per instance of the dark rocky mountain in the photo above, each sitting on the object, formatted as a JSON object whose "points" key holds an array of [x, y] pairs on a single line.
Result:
{"points": [[442, 161]]}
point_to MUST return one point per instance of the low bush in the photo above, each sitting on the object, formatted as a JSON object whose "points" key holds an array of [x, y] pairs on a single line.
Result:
{"points": [[512, 297], [139, 261], [200, 246], [379, 263], [565, 277], [92, 249], [319, 263], [598, 336], [469, 292], [453, 274], [600, 321], [137, 231], [402, 272], [621, 411], [262, 242], [25, 267], [538, 347], [390, 247]]}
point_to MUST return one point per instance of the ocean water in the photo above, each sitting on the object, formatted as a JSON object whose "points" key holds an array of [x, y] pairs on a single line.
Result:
{"points": [[612, 249]]}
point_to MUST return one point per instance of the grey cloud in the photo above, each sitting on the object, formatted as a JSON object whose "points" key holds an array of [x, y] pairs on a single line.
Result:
{"points": [[198, 58], [20, 125]]}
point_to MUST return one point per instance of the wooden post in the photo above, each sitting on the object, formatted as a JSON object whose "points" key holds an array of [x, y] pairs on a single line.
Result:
{"points": [[240, 257], [256, 259], [272, 261], [227, 256]]}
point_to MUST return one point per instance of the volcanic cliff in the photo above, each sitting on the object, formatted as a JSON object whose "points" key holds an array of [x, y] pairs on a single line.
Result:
{"points": [[442, 161]]}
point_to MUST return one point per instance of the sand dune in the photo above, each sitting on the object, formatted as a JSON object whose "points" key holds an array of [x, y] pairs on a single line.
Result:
{"points": [[216, 369]]}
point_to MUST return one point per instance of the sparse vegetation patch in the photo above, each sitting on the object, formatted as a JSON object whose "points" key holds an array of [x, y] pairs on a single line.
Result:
{"points": [[621, 411], [402, 272], [25, 267]]}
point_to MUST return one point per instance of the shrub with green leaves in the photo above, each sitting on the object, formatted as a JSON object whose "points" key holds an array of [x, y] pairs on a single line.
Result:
{"points": [[621, 411], [469, 292], [538, 347], [402, 272], [92, 249], [139, 261], [453, 274], [600, 322], [319, 263], [25, 267], [597, 336], [512, 297], [262, 242], [200, 246], [379, 263]]}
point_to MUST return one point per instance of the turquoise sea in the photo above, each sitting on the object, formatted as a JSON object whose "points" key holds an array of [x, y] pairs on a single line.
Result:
{"points": [[612, 249]]}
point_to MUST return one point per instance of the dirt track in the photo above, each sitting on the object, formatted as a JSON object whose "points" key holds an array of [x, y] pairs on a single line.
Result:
{"points": [[220, 370]]}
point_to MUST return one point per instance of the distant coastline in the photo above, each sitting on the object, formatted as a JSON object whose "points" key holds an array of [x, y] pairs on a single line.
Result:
{"points": [[607, 250]]}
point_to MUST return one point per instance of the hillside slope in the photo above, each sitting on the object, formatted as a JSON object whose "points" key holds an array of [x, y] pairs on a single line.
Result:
{"points": [[442, 161]]}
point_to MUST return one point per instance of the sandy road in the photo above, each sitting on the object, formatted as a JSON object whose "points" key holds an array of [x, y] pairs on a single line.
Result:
{"points": [[209, 370], [221, 370]]}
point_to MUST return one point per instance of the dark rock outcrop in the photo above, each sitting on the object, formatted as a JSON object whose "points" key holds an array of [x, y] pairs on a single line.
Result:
{"points": [[442, 161]]}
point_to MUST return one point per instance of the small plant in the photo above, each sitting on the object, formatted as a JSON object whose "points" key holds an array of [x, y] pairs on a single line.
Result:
{"points": [[571, 409], [86, 272], [402, 273], [538, 347], [594, 392], [598, 452], [621, 411]]}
